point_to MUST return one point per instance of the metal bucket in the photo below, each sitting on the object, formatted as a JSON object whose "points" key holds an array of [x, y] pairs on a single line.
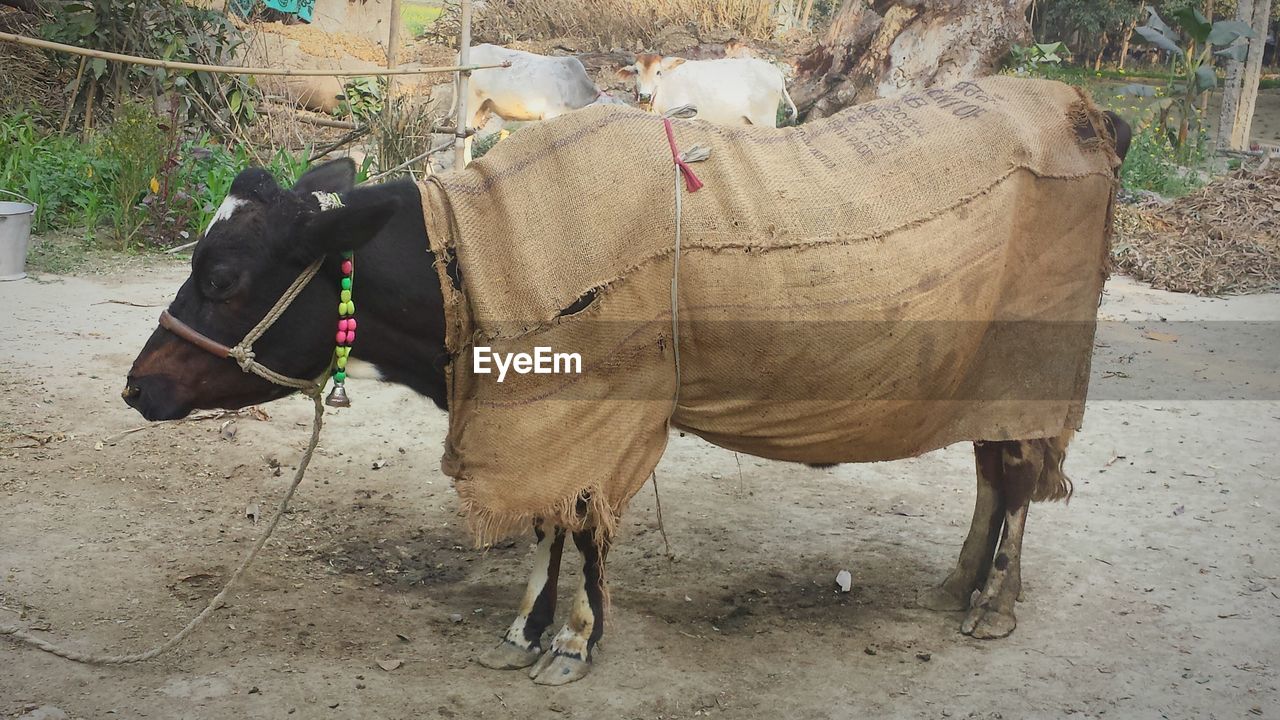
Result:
{"points": [[15, 236]]}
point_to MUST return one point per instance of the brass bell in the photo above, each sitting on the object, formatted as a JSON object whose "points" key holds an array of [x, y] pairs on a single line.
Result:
{"points": [[338, 397]]}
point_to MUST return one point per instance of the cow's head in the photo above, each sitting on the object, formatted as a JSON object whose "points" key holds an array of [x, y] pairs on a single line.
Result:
{"points": [[648, 70], [260, 241]]}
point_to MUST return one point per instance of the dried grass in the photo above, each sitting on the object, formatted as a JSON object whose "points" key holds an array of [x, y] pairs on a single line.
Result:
{"points": [[404, 133], [621, 23], [1223, 239], [30, 79]]}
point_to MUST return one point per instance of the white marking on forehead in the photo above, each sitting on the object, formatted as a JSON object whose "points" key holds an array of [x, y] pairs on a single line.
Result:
{"points": [[228, 207]]}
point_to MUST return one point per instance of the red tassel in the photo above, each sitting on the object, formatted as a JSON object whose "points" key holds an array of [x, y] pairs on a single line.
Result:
{"points": [[691, 181]]}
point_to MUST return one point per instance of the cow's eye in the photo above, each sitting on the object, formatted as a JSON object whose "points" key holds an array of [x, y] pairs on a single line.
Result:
{"points": [[220, 283]]}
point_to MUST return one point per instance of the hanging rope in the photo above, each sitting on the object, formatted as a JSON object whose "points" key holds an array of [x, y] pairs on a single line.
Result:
{"points": [[697, 153], [243, 354]]}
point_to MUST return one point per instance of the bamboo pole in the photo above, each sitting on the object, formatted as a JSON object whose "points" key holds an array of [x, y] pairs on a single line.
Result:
{"points": [[464, 76], [393, 55], [231, 69]]}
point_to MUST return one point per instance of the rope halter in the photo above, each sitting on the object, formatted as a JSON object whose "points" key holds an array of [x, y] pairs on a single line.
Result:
{"points": [[242, 352]]}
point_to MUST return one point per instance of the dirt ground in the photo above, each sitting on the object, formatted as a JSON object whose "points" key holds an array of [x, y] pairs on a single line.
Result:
{"points": [[1155, 593]]}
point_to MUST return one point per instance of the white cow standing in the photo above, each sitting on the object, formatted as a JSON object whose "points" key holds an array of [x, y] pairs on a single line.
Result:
{"points": [[535, 87], [728, 91]]}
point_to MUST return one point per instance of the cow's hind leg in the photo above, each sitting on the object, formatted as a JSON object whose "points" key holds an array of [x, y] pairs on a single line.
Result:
{"points": [[522, 645], [1031, 471], [980, 544], [570, 655]]}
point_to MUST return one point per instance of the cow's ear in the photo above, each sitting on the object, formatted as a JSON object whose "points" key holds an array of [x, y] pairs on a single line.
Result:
{"points": [[361, 216], [628, 72], [671, 63], [336, 177]]}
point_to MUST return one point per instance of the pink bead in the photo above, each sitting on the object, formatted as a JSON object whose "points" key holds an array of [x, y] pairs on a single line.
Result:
{"points": [[346, 267], [344, 324], [351, 324], [351, 337], [341, 337]]}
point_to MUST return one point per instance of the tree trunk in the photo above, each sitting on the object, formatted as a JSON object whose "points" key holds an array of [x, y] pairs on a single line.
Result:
{"points": [[804, 16], [880, 48], [1204, 99], [1097, 63], [1241, 93], [1124, 42]]}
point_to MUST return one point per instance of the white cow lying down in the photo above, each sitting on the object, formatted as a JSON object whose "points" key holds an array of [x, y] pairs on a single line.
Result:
{"points": [[729, 91], [535, 87]]}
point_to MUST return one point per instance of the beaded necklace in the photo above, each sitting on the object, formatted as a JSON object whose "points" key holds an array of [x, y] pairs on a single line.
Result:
{"points": [[346, 334]]}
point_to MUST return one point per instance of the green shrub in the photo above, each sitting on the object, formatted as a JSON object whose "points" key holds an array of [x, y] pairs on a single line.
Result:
{"points": [[136, 145], [1154, 164], [152, 187], [64, 177]]}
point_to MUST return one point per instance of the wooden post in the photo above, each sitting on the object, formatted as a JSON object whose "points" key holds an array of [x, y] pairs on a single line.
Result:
{"points": [[464, 56], [393, 56]]}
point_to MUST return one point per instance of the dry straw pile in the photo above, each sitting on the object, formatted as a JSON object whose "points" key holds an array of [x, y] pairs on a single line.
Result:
{"points": [[626, 22], [1223, 239]]}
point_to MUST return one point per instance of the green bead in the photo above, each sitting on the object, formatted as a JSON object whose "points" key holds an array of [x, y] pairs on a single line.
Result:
{"points": [[342, 363], [339, 376], [351, 308], [345, 296], [342, 308], [344, 352], [346, 283]]}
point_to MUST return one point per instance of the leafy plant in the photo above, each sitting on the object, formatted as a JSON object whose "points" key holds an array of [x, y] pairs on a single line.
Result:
{"points": [[64, 177], [165, 29], [364, 97], [136, 145], [1153, 164], [208, 169], [1191, 66], [154, 187], [1026, 60]]}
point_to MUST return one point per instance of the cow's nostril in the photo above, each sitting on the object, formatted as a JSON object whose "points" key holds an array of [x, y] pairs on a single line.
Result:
{"points": [[130, 392]]}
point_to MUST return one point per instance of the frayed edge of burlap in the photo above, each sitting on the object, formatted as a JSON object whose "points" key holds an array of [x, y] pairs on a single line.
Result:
{"points": [[489, 526], [1084, 111]]}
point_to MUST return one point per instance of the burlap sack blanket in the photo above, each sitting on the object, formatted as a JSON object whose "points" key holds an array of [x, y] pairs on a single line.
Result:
{"points": [[902, 276]]}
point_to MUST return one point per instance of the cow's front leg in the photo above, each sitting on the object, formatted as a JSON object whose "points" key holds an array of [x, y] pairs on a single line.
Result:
{"points": [[992, 615], [570, 655], [522, 645], [984, 533]]}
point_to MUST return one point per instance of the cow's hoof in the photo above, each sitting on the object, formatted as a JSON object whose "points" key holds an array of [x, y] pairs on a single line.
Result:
{"points": [[510, 656], [556, 669], [985, 623], [941, 599]]}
